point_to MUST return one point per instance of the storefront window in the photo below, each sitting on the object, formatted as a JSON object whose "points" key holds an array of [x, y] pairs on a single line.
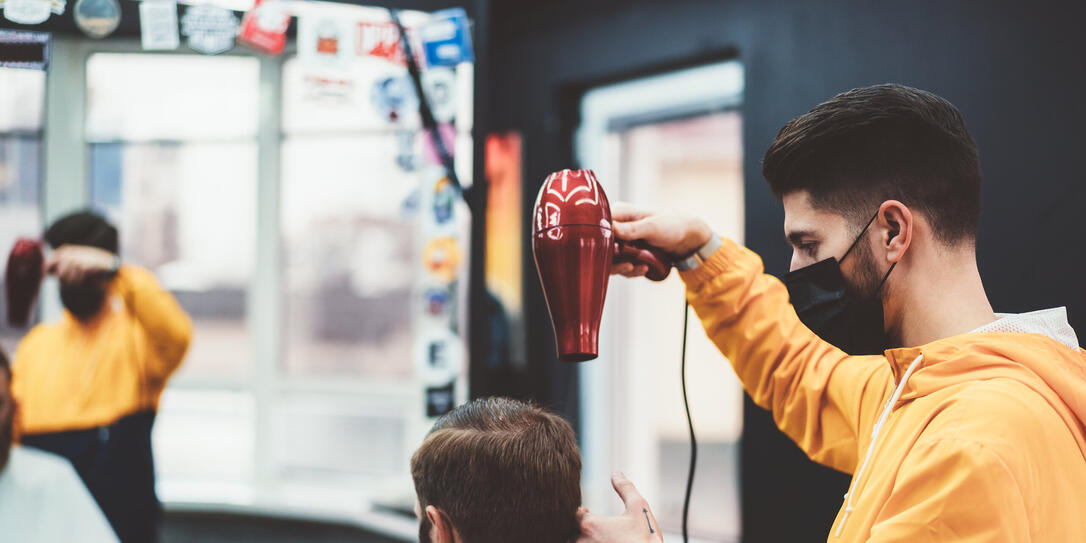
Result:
{"points": [[22, 95]]}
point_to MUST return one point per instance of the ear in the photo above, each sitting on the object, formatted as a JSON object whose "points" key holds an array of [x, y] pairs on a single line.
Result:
{"points": [[896, 227], [442, 529]]}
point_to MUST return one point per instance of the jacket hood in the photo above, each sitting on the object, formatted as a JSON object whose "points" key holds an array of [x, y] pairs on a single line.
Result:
{"points": [[1039, 350]]}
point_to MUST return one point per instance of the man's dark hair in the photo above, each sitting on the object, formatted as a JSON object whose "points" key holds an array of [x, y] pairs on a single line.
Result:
{"points": [[5, 365], [83, 228], [502, 470], [884, 142]]}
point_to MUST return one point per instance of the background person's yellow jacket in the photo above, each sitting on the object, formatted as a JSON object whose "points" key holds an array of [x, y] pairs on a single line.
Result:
{"points": [[976, 437], [89, 392]]}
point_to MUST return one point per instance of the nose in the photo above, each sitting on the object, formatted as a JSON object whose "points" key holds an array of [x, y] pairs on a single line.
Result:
{"points": [[798, 261]]}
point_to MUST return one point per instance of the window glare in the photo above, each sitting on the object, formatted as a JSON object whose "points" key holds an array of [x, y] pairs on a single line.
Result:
{"points": [[23, 91], [171, 97]]}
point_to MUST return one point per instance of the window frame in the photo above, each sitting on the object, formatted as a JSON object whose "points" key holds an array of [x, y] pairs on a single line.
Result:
{"points": [[66, 184], [37, 135]]}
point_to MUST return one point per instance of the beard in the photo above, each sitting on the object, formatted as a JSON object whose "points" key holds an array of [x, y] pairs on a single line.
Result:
{"points": [[866, 280], [867, 290], [84, 300]]}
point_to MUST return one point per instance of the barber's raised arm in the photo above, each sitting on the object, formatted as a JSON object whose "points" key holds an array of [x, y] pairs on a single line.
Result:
{"points": [[167, 326], [821, 397]]}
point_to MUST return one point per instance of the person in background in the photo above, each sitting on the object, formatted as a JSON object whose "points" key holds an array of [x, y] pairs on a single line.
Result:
{"points": [[88, 386], [498, 470], [42, 499]]}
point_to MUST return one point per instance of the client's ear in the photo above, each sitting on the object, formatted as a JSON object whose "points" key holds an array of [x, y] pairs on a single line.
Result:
{"points": [[442, 529]]}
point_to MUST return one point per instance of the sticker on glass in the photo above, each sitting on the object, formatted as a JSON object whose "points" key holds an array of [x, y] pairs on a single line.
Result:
{"points": [[326, 42], [210, 29], [27, 12], [436, 300], [442, 257], [158, 25], [446, 39], [264, 27], [392, 96], [440, 87], [440, 399], [97, 18], [439, 356], [26, 50], [444, 198]]}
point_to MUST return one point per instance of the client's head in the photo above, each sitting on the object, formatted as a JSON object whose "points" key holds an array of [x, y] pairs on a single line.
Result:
{"points": [[498, 470]]}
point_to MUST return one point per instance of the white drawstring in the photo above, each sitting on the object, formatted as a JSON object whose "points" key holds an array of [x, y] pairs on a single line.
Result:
{"points": [[874, 436]]}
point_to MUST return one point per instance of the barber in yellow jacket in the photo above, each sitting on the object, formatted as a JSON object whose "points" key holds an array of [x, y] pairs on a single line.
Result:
{"points": [[879, 354], [88, 386]]}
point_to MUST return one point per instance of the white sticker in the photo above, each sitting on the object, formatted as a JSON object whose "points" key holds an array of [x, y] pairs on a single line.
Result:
{"points": [[440, 87], [210, 29], [439, 356], [27, 12], [158, 25]]}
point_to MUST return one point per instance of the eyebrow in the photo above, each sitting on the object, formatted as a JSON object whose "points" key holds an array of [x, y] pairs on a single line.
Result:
{"points": [[794, 237]]}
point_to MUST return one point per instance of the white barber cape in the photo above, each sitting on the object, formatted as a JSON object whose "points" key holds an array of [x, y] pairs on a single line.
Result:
{"points": [[42, 499]]}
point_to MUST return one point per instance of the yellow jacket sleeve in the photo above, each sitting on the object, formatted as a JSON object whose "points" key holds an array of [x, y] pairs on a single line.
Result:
{"points": [[821, 397], [165, 326], [953, 490]]}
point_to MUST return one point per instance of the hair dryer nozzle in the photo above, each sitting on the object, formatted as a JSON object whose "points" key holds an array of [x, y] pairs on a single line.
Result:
{"points": [[22, 280]]}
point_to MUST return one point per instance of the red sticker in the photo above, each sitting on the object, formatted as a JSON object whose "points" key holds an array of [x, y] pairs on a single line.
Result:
{"points": [[264, 27]]}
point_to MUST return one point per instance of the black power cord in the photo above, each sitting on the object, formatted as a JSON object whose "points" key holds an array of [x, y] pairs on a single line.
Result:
{"points": [[690, 424], [426, 114]]}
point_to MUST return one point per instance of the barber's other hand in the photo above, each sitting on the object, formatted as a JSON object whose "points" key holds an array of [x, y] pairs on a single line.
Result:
{"points": [[677, 235], [636, 525], [73, 263]]}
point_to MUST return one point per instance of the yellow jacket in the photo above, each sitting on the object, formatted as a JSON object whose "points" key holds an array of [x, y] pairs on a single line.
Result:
{"points": [[70, 375], [976, 437]]}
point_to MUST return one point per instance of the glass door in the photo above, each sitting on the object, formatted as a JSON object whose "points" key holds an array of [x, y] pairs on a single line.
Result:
{"points": [[671, 143]]}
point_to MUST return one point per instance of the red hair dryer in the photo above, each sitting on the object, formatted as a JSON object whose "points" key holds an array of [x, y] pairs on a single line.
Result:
{"points": [[574, 247], [22, 280]]}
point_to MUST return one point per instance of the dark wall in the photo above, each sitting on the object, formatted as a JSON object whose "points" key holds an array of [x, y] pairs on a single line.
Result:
{"points": [[1015, 70]]}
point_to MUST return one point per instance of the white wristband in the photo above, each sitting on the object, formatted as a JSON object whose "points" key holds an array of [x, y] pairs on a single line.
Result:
{"points": [[701, 255]]}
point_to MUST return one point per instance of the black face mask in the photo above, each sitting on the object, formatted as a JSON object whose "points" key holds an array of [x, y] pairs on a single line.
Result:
{"points": [[825, 304], [84, 299]]}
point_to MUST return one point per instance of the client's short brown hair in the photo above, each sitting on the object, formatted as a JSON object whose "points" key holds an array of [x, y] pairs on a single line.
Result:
{"points": [[503, 471]]}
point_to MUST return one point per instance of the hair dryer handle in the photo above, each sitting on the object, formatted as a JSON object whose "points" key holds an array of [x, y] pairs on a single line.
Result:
{"points": [[638, 253]]}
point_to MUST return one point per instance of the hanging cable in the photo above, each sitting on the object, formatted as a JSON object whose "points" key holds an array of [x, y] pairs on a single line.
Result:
{"points": [[690, 424], [426, 114]]}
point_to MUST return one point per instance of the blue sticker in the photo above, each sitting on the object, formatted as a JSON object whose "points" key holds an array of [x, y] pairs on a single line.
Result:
{"points": [[436, 301], [444, 198], [447, 38], [391, 96]]}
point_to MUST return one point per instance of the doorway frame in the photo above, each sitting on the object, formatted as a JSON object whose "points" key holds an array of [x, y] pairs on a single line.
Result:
{"points": [[608, 412]]}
